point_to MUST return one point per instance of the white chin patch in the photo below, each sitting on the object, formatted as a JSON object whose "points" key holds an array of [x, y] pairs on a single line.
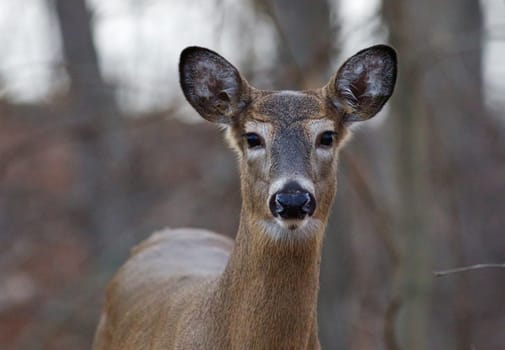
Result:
{"points": [[288, 230]]}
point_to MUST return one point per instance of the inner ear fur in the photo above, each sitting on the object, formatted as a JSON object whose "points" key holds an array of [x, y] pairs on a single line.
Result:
{"points": [[212, 85], [364, 82]]}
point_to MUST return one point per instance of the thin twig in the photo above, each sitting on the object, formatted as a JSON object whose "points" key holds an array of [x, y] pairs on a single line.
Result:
{"points": [[468, 268]]}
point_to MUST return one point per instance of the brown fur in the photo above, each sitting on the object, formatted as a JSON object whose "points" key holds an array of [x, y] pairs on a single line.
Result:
{"points": [[193, 289]]}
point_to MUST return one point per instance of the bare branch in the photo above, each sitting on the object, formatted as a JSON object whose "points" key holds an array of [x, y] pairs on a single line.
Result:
{"points": [[468, 268]]}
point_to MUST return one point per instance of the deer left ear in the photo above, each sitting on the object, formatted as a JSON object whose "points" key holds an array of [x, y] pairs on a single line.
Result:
{"points": [[364, 83], [212, 85]]}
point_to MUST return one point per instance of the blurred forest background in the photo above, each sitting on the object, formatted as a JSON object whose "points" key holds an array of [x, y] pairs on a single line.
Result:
{"points": [[98, 149]]}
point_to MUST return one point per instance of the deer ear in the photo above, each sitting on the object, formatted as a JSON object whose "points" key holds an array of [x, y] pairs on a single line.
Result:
{"points": [[364, 83], [212, 85]]}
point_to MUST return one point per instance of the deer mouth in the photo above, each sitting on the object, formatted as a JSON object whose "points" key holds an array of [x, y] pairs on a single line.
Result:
{"points": [[292, 230]]}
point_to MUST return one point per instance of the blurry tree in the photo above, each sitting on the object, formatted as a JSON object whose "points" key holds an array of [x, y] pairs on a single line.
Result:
{"points": [[102, 149], [304, 51], [449, 170]]}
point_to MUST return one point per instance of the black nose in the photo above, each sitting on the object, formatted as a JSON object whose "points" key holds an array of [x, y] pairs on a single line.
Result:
{"points": [[292, 204]]}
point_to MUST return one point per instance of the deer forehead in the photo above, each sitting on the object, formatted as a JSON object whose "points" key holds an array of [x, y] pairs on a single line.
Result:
{"points": [[286, 107], [281, 111]]}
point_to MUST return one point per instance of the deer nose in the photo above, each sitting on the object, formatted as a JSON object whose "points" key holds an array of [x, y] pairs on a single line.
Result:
{"points": [[292, 204]]}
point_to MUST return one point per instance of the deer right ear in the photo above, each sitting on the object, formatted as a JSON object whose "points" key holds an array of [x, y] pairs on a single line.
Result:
{"points": [[212, 85], [364, 83]]}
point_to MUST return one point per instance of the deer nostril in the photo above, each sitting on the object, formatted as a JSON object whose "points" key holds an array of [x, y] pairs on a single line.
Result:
{"points": [[292, 205], [310, 205]]}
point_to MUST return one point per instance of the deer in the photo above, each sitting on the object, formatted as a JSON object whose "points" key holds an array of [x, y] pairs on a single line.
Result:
{"points": [[191, 288]]}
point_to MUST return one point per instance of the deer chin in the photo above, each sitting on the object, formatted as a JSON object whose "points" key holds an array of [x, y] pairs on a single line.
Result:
{"points": [[292, 230]]}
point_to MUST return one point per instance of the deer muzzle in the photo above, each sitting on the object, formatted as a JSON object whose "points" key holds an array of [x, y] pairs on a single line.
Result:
{"points": [[292, 202]]}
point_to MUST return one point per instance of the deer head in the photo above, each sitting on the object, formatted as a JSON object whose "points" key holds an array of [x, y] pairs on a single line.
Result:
{"points": [[287, 141]]}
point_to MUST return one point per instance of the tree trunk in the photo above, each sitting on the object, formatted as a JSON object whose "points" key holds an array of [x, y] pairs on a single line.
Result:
{"points": [[306, 40], [101, 148], [448, 210]]}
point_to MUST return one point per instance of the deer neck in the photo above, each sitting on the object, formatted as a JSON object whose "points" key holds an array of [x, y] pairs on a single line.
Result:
{"points": [[269, 289]]}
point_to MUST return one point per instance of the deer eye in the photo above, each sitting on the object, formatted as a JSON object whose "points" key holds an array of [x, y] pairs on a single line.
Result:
{"points": [[253, 140], [326, 139]]}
